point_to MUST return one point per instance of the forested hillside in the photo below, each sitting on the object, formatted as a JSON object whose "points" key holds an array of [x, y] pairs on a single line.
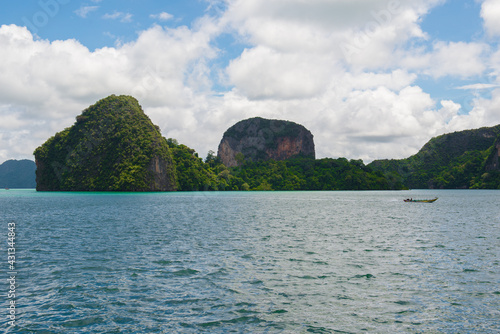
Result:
{"points": [[113, 146], [299, 173], [465, 159]]}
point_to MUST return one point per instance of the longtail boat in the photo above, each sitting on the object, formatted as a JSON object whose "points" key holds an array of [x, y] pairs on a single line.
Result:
{"points": [[420, 200]]}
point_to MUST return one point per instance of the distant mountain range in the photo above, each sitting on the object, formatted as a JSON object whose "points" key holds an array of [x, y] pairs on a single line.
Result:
{"points": [[17, 174]]}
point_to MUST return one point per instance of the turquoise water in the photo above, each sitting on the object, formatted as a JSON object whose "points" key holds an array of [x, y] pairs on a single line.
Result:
{"points": [[253, 262]]}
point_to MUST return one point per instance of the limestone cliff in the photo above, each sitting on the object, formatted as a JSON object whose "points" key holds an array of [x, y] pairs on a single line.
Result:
{"points": [[113, 146], [259, 139]]}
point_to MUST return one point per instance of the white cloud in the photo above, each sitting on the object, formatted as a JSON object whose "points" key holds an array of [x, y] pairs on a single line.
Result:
{"points": [[370, 29], [478, 86], [490, 12], [494, 63], [300, 46], [123, 17], [85, 10], [395, 80], [264, 73], [163, 16], [485, 112], [458, 59]]}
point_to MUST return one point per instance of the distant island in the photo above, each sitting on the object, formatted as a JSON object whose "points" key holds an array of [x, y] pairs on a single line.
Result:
{"points": [[114, 146], [17, 174]]}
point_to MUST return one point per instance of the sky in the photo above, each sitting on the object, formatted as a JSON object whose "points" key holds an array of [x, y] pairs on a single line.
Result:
{"points": [[371, 79]]}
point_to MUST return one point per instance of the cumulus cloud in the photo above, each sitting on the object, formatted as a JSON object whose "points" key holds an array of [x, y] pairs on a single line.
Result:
{"points": [[357, 32], [458, 59], [305, 44], [264, 73], [455, 59], [484, 111], [490, 12]]}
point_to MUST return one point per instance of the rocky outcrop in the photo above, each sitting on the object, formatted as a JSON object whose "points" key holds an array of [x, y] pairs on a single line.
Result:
{"points": [[113, 146], [259, 139]]}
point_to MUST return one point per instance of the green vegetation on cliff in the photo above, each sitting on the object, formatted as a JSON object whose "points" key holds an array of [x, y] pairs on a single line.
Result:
{"points": [[299, 173], [304, 173], [113, 146], [465, 159], [192, 173], [265, 127]]}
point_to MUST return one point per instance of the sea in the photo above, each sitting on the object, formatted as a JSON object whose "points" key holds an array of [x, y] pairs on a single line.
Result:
{"points": [[250, 262]]}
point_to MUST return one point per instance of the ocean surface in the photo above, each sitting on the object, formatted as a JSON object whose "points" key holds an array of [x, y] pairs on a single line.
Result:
{"points": [[252, 262]]}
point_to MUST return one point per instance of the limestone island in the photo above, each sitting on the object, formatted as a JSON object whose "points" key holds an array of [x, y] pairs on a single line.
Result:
{"points": [[259, 139], [113, 146]]}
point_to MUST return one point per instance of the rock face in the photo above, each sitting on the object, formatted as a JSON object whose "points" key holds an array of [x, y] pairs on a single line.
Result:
{"points": [[113, 146], [259, 139]]}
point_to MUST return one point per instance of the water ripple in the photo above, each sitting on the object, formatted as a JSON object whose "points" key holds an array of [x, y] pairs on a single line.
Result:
{"points": [[289, 262]]}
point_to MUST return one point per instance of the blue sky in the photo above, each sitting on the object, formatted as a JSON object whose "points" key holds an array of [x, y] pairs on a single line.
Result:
{"points": [[370, 78], [86, 20], [455, 21]]}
